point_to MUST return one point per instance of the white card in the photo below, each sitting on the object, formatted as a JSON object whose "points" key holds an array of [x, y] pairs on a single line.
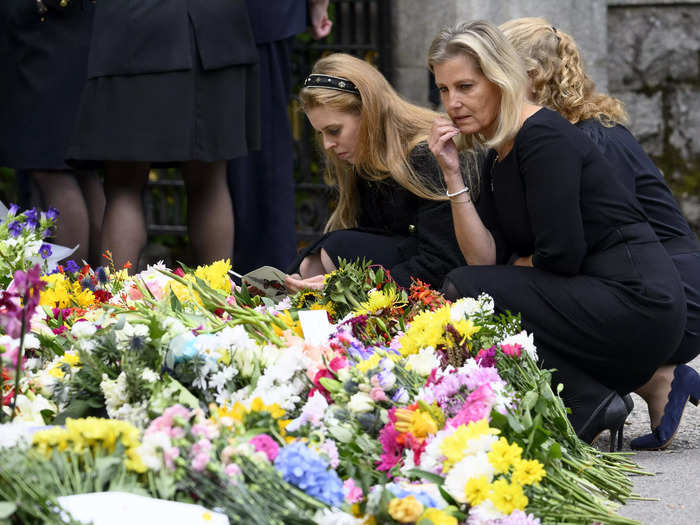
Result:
{"points": [[117, 508], [315, 325]]}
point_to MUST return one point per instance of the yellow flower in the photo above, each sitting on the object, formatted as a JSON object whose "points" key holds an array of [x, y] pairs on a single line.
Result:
{"points": [[371, 362], [286, 318], [528, 471], [377, 300], [503, 455], [456, 446], [437, 517], [57, 292], [426, 329], [466, 328], [477, 490], [405, 510], [507, 497], [216, 275], [71, 359], [417, 422]]}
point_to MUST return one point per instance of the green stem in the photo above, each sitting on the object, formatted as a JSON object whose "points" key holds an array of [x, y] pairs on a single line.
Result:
{"points": [[20, 354]]}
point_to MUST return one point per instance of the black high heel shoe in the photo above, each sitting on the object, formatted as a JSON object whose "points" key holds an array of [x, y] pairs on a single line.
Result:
{"points": [[684, 387], [610, 415]]}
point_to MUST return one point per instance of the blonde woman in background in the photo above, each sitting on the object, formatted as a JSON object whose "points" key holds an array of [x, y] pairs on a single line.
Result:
{"points": [[392, 207], [559, 81], [588, 274]]}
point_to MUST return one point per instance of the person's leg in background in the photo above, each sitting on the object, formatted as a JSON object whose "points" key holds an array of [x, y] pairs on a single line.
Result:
{"points": [[262, 184], [210, 219]]}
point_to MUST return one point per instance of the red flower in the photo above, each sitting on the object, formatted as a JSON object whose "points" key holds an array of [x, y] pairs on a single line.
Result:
{"points": [[102, 296]]}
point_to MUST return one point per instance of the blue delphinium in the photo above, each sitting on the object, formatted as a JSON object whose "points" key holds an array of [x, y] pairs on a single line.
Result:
{"points": [[304, 468], [52, 213], [32, 218], [15, 228]]}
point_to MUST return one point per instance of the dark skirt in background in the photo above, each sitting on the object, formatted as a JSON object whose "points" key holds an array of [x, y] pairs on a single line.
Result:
{"points": [[169, 117], [43, 67]]}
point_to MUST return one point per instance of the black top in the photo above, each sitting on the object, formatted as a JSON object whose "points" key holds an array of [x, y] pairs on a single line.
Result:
{"points": [[390, 209], [556, 197], [151, 36], [638, 173], [273, 21]]}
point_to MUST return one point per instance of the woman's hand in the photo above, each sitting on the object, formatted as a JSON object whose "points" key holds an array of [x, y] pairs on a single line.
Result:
{"points": [[295, 283], [523, 261], [443, 147], [320, 23]]}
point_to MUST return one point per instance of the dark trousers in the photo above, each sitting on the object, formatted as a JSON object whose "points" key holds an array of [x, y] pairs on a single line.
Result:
{"points": [[262, 183]]}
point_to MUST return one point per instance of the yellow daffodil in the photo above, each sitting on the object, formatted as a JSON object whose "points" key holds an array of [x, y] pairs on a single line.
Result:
{"points": [[437, 517], [417, 422]]}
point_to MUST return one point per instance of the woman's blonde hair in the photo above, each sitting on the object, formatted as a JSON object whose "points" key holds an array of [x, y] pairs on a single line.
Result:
{"points": [[557, 77], [499, 63], [390, 128]]}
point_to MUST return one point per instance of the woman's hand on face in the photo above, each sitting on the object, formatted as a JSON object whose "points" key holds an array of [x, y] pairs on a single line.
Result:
{"points": [[295, 283], [443, 147]]}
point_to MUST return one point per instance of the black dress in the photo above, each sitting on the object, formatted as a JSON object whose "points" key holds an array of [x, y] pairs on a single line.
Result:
{"points": [[43, 66], [639, 174], [169, 81], [604, 296], [409, 235]]}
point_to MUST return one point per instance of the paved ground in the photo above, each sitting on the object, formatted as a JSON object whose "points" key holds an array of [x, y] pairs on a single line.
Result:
{"points": [[677, 470]]}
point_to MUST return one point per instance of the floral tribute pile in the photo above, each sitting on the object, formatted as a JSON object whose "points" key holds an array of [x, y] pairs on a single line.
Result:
{"points": [[179, 385]]}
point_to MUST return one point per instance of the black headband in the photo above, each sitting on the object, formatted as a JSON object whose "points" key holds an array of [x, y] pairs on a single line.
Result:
{"points": [[316, 80]]}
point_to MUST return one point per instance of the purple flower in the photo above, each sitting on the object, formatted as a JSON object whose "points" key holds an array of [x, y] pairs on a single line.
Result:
{"points": [[10, 314], [265, 444], [15, 228], [87, 284], [13, 209], [518, 517], [45, 251], [52, 213], [46, 233], [32, 218], [71, 266]]}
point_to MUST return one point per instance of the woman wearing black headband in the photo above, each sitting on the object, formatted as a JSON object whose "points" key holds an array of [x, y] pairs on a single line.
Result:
{"points": [[392, 207]]}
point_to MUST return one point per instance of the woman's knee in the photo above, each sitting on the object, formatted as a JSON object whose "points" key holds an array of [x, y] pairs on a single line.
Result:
{"points": [[450, 290], [310, 266]]}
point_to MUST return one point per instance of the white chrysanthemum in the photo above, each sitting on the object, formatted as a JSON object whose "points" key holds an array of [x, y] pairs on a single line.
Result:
{"points": [[335, 517], [136, 414], [484, 513], [83, 329], [463, 307], [525, 340], [423, 362], [29, 410], [470, 467], [151, 447]]}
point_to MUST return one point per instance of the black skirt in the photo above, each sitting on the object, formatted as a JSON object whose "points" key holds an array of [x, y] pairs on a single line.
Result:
{"points": [[169, 117], [43, 67]]}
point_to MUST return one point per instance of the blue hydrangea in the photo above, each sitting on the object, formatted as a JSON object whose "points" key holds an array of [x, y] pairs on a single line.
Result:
{"points": [[304, 468]]}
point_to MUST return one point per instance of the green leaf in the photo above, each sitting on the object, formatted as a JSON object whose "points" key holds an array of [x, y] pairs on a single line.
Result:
{"points": [[7, 509], [331, 384], [554, 451], [77, 408], [341, 434], [515, 424], [428, 476], [529, 400]]}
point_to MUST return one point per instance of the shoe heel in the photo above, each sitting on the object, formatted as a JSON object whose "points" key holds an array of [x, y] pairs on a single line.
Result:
{"points": [[616, 435]]}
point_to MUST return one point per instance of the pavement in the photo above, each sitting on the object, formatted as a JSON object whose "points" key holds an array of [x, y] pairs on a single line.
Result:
{"points": [[676, 479]]}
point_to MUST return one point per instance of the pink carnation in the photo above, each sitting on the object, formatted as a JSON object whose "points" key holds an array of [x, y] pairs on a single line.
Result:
{"points": [[267, 445], [476, 407], [353, 493]]}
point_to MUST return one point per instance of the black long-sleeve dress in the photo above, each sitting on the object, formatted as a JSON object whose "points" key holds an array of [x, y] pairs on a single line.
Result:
{"points": [[639, 174], [409, 235], [604, 296]]}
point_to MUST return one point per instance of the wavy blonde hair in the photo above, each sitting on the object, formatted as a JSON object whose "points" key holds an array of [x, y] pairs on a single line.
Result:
{"points": [[557, 78], [390, 127], [499, 63]]}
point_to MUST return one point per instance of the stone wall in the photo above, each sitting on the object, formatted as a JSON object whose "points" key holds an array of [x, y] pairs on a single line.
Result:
{"points": [[654, 67], [646, 53]]}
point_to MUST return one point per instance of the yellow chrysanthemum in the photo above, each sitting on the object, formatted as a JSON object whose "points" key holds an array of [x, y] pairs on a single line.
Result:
{"points": [[82, 297], [528, 471], [426, 329], [216, 275], [417, 422], [437, 517], [507, 496], [377, 300], [405, 510], [57, 293], [466, 328], [477, 489], [503, 454], [456, 446], [71, 359]]}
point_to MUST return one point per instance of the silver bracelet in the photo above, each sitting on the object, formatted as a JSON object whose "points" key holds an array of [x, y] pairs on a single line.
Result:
{"points": [[463, 190]]}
